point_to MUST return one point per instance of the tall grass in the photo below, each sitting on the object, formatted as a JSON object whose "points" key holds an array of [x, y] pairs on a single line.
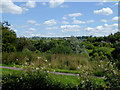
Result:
{"points": [[60, 61]]}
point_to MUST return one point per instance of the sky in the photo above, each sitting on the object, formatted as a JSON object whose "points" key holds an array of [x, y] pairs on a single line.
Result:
{"points": [[60, 19]]}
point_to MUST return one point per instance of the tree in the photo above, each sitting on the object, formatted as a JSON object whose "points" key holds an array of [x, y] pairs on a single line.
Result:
{"points": [[9, 38], [23, 43]]}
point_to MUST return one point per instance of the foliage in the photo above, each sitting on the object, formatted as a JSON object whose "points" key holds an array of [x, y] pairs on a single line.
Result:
{"points": [[9, 38], [32, 80]]}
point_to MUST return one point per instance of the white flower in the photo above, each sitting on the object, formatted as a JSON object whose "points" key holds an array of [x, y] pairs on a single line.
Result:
{"points": [[47, 71], [25, 63], [37, 68], [39, 57], [78, 67]]}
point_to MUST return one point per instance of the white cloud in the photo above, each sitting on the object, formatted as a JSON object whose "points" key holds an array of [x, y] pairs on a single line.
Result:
{"points": [[70, 28], [117, 3], [64, 18], [75, 15], [15, 30], [75, 21], [78, 22], [116, 19], [32, 29], [7, 6], [103, 20], [105, 11], [31, 21], [99, 28], [90, 21], [51, 28], [89, 28], [65, 22], [103, 30], [55, 3], [106, 25], [50, 22], [30, 4], [43, 3], [115, 25]]}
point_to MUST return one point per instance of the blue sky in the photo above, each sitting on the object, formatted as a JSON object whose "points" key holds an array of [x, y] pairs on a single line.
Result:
{"points": [[45, 19]]}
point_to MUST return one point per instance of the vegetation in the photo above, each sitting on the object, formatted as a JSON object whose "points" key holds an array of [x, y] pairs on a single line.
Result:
{"points": [[87, 56]]}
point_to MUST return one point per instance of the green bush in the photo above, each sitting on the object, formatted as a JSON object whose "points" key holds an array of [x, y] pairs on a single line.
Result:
{"points": [[31, 80], [113, 79]]}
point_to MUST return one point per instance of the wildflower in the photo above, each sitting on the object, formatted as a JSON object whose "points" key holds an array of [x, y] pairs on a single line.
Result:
{"points": [[16, 59], [42, 68], [47, 71], [46, 60], [25, 63], [78, 67], [37, 68], [39, 57]]}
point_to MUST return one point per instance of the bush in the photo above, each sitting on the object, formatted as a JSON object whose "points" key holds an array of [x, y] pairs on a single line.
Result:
{"points": [[31, 80], [113, 79]]}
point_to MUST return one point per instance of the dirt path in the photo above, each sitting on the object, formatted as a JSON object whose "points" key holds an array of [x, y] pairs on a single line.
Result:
{"points": [[69, 74], [14, 68]]}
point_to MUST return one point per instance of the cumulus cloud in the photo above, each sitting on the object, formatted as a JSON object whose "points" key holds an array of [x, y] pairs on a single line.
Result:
{"points": [[70, 28], [78, 22], [116, 19], [89, 28], [90, 21], [51, 28], [32, 29], [55, 3], [50, 22], [65, 22], [75, 14], [30, 4], [105, 25], [105, 11], [117, 3], [115, 25], [75, 21], [103, 20], [31, 21], [99, 28], [7, 6], [64, 18], [103, 30]]}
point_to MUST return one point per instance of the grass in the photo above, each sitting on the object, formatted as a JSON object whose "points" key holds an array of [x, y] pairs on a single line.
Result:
{"points": [[72, 81], [65, 71], [64, 79], [9, 71]]}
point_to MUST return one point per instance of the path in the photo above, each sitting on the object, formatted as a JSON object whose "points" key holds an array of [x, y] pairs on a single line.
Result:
{"points": [[14, 68]]}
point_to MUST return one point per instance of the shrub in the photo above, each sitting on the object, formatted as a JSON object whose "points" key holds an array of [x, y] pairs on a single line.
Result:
{"points": [[31, 80]]}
